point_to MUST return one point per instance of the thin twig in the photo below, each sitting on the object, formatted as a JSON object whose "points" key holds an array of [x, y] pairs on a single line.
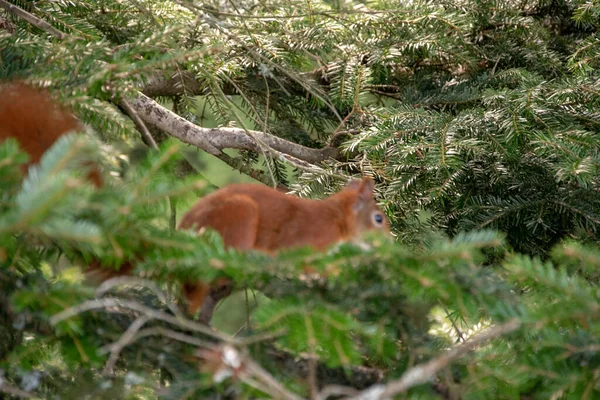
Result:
{"points": [[456, 329], [149, 139], [336, 390], [141, 126], [269, 380], [173, 216], [126, 338], [236, 163], [134, 305], [32, 19], [262, 337], [422, 373], [171, 334], [312, 377]]}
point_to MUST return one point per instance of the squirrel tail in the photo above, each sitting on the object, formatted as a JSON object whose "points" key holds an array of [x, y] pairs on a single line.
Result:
{"points": [[36, 121]]}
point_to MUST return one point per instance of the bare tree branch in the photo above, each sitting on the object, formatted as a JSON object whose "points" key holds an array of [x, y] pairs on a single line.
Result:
{"points": [[146, 135], [134, 305], [256, 370], [126, 338], [336, 390], [422, 373], [32, 19], [171, 334], [214, 140]]}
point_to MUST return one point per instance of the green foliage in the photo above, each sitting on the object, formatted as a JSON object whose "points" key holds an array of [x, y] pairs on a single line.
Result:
{"points": [[477, 119]]}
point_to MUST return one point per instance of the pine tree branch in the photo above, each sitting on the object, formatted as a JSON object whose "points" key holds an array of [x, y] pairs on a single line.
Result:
{"points": [[424, 372], [32, 19], [185, 82], [259, 175], [214, 140]]}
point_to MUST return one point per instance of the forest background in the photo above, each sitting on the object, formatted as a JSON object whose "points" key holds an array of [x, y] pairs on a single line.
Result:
{"points": [[478, 121]]}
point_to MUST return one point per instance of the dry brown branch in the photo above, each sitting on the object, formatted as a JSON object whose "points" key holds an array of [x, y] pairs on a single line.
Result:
{"points": [[264, 381], [424, 372], [214, 140], [32, 19]]}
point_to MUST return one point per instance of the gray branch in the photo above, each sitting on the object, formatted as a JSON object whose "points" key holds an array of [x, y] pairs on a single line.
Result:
{"points": [[214, 140]]}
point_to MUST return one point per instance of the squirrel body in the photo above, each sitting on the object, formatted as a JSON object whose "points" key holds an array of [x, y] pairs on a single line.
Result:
{"points": [[247, 216], [256, 217]]}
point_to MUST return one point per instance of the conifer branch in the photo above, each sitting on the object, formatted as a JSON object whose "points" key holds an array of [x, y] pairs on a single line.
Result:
{"points": [[424, 372], [32, 19]]}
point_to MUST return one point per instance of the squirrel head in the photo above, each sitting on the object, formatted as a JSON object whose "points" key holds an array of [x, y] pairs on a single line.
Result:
{"points": [[362, 211]]}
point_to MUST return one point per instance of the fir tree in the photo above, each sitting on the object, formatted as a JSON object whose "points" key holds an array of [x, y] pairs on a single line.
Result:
{"points": [[477, 119]]}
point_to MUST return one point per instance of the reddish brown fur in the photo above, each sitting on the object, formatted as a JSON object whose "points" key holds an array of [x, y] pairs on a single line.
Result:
{"points": [[32, 117], [36, 121], [250, 216]]}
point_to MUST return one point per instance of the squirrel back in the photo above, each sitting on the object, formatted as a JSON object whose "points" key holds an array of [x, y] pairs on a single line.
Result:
{"points": [[36, 121], [253, 216]]}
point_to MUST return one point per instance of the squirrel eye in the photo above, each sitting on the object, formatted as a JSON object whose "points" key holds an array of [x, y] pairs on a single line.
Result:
{"points": [[378, 218]]}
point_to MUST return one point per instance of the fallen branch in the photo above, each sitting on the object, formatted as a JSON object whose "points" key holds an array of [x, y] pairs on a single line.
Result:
{"points": [[424, 372]]}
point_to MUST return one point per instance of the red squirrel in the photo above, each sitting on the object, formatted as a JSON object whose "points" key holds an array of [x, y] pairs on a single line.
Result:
{"points": [[36, 121], [247, 216], [256, 217]]}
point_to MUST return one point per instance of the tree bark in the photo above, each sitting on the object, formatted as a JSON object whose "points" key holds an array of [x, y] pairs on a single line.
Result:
{"points": [[214, 140]]}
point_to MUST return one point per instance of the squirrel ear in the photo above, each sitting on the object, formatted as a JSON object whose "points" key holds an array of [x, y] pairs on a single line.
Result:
{"points": [[364, 190], [353, 184]]}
